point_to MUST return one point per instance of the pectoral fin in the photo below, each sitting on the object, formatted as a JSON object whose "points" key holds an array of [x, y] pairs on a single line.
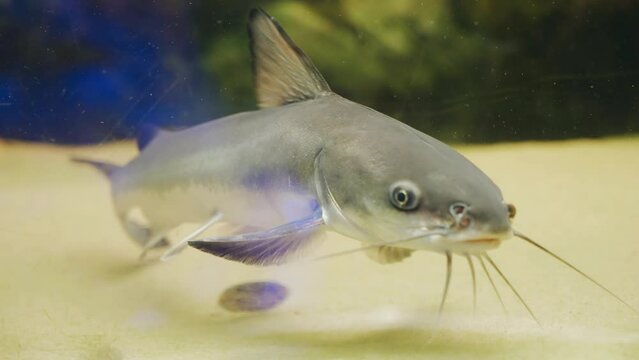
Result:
{"points": [[275, 246], [388, 254]]}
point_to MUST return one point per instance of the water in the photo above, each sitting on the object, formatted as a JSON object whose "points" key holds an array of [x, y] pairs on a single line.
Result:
{"points": [[70, 283]]}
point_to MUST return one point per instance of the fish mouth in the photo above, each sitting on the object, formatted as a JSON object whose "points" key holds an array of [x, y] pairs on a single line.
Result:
{"points": [[475, 245], [476, 242]]}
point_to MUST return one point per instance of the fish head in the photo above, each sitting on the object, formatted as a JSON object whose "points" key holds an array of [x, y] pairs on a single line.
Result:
{"points": [[406, 184]]}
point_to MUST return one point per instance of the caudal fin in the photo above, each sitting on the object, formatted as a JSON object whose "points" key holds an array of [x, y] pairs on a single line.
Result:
{"points": [[105, 168]]}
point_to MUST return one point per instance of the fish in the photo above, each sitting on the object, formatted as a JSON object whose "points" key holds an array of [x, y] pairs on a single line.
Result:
{"points": [[308, 162]]}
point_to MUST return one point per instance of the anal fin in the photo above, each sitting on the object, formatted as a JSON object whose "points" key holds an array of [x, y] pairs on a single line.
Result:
{"points": [[388, 254]]}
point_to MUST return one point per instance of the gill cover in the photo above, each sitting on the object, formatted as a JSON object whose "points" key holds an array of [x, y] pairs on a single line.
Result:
{"points": [[332, 212]]}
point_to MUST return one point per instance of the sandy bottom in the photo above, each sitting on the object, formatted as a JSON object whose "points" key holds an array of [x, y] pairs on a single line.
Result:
{"points": [[71, 287]]}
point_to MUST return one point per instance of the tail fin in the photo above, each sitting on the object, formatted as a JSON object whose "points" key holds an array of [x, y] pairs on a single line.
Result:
{"points": [[105, 168]]}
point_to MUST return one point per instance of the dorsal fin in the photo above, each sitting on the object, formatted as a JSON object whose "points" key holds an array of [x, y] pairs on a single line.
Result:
{"points": [[283, 73]]}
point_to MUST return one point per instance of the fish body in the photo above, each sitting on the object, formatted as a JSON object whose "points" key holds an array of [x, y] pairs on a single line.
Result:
{"points": [[309, 161], [308, 156], [254, 167], [258, 168]]}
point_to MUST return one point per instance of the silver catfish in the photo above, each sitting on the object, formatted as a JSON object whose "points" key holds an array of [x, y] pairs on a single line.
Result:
{"points": [[309, 161]]}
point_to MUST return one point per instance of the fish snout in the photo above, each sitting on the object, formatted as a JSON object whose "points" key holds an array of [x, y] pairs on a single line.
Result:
{"points": [[501, 221], [477, 228], [494, 220]]}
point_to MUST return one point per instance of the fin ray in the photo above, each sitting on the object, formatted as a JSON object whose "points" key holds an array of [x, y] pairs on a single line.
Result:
{"points": [[275, 246]]}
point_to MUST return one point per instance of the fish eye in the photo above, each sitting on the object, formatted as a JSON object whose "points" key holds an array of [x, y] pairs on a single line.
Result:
{"points": [[405, 195]]}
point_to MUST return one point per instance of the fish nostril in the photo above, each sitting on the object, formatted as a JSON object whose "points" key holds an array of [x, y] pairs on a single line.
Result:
{"points": [[458, 209], [512, 210], [461, 216]]}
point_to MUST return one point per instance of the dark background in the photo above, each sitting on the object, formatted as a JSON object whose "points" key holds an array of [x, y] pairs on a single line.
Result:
{"points": [[87, 71]]}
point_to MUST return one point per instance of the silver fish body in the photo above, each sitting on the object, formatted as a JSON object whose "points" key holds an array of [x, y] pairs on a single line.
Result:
{"points": [[257, 168], [308, 161]]}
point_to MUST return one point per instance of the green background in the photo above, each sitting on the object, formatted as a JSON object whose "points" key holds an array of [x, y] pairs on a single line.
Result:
{"points": [[462, 71]]}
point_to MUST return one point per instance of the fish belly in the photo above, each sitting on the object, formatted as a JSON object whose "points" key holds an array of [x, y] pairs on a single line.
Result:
{"points": [[166, 210]]}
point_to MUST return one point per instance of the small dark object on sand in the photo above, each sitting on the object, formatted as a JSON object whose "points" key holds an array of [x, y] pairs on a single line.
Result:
{"points": [[253, 296]]}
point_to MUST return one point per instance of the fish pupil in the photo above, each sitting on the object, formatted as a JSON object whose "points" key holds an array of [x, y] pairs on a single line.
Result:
{"points": [[401, 196]]}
